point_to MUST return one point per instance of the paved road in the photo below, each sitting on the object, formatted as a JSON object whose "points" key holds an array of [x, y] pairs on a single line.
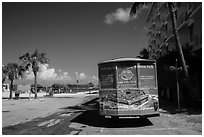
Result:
{"points": [[18, 111], [84, 120]]}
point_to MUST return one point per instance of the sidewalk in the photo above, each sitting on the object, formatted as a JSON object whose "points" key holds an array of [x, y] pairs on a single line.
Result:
{"points": [[5, 95]]}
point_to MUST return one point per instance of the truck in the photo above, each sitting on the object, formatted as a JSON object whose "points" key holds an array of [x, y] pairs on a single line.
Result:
{"points": [[128, 88]]}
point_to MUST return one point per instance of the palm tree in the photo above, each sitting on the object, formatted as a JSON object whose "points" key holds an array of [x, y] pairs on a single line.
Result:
{"points": [[144, 53], [33, 61], [171, 5], [4, 73], [12, 71]]}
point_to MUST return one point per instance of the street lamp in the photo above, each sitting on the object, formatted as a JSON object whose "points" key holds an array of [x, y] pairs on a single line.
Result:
{"points": [[77, 85]]}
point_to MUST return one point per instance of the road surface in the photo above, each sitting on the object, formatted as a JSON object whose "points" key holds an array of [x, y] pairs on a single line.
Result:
{"points": [[83, 119]]}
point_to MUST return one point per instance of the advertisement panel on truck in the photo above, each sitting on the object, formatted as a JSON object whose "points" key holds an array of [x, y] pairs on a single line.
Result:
{"points": [[128, 88], [127, 77]]}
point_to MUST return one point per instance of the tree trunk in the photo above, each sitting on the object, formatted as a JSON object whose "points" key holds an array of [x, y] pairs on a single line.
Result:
{"points": [[11, 90], [191, 91], [177, 39], [35, 74]]}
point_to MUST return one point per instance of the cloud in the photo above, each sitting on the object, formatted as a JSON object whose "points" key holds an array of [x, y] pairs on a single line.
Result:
{"points": [[29, 74], [80, 76], [64, 76], [121, 15], [46, 73], [94, 78], [51, 74]]}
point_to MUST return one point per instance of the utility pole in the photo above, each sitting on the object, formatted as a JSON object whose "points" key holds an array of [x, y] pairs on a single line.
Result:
{"points": [[177, 84], [77, 85]]}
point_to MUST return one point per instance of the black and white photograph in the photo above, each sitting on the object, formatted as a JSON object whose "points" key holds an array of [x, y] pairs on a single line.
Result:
{"points": [[101, 67]]}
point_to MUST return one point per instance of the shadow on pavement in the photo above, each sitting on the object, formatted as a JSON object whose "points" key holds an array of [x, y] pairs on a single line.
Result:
{"points": [[91, 117], [35, 126], [172, 108]]}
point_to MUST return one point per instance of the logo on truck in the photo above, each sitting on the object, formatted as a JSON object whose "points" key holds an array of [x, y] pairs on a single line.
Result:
{"points": [[126, 75]]}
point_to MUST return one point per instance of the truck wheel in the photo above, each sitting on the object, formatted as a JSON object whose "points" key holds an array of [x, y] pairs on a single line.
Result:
{"points": [[114, 118], [143, 118]]}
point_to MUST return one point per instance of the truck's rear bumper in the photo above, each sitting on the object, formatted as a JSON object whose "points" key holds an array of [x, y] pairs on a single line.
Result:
{"points": [[130, 113]]}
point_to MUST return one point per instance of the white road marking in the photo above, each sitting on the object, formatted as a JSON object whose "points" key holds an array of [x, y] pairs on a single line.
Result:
{"points": [[74, 132], [66, 115], [49, 123], [45, 122], [54, 123]]}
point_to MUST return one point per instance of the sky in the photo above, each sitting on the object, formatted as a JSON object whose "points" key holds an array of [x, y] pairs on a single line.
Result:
{"points": [[75, 36]]}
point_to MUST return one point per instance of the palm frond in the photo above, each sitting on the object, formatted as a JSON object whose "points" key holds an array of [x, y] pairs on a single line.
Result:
{"points": [[42, 58], [4, 73], [35, 53], [12, 70], [144, 53], [4, 69], [133, 9], [21, 70], [27, 66], [136, 6], [33, 60], [12, 65], [25, 57]]}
